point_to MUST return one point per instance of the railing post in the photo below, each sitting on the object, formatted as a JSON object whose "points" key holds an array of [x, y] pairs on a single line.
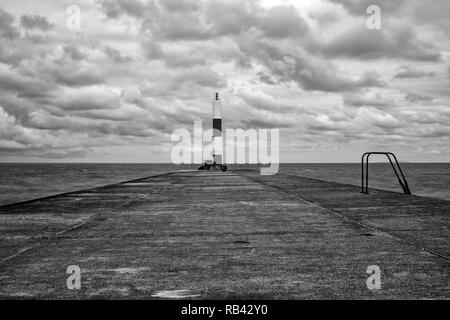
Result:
{"points": [[402, 181], [362, 173]]}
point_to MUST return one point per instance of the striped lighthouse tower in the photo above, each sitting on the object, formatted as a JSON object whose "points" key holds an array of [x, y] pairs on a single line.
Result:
{"points": [[217, 131]]}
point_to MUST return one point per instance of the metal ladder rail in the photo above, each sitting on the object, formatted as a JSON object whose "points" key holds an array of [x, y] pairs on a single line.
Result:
{"points": [[405, 183], [388, 154], [400, 177]]}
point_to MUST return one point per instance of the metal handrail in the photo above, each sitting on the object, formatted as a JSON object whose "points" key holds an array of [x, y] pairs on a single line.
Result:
{"points": [[401, 178]]}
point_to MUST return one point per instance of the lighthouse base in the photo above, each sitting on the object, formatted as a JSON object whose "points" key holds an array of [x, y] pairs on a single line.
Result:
{"points": [[213, 166]]}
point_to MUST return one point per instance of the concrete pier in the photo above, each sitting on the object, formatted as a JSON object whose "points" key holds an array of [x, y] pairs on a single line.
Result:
{"points": [[231, 235]]}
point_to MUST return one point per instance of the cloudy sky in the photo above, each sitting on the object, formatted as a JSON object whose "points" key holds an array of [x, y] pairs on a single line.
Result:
{"points": [[116, 88]]}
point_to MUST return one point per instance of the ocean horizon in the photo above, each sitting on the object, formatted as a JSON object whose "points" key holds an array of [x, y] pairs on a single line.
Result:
{"points": [[28, 181]]}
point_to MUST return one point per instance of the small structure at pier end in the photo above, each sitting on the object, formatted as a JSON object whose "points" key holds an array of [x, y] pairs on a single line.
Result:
{"points": [[217, 156]]}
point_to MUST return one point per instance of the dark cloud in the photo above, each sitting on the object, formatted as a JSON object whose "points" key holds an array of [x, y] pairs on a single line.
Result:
{"points": [[307, 72], [325, 18], [202, 20], [184, 83], [434, 15], [153, 65], [266, 123], [115, 55], [39, 77], [360, 100], [180, 5], [174, 26], [433, 115], [74, 52], [392, 41], [408, 73], [86, 75], [233, 18], [94, 126], [172, 58], [7, 30], [116, 8], [203, 77], [414, 97], [266, 78], [8, 56], [420, 12], [35, 22], [282, 21], [87, 98], [433, 131], [22, 85], [359, 7]]}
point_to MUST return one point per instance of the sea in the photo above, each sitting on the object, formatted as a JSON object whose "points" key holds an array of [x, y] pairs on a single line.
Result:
{"points": [[21, 182]]}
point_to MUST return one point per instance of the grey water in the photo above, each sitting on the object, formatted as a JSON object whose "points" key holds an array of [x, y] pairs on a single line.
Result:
{"points": [[21, 182]]}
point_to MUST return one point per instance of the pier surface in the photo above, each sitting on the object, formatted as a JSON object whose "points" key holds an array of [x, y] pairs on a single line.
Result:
{"points": [[230, 235]]}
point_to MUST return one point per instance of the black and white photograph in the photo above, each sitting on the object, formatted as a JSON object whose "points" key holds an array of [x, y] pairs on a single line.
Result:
{"points": [[223, 155]]}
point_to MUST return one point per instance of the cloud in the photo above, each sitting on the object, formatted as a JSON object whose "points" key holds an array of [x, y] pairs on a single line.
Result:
{"points": [[96, 123], [385, 121], [138, 69], [414, 97], [74, 52], [203, 20], [116, 8], [237, 17], [431, 115], [173, 57], [323, 123], [204, 77], [35, 22], [7, 30], [82, 74], [263, 101], [359, 7], [325, 17], [395, 40], [174, 26], [435, 15], [310, 73], [38, 77], [115, 55], [408, 73], [183, 83], [22, 85], [266, 78], [18, 136], [361, 100], [258, 111], [261, 122], [180, 5], [87, 98], [281, 22]]}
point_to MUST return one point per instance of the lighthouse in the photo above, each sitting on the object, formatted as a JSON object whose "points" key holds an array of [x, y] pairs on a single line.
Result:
{"points": [[217, 140], [217, 132]]}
